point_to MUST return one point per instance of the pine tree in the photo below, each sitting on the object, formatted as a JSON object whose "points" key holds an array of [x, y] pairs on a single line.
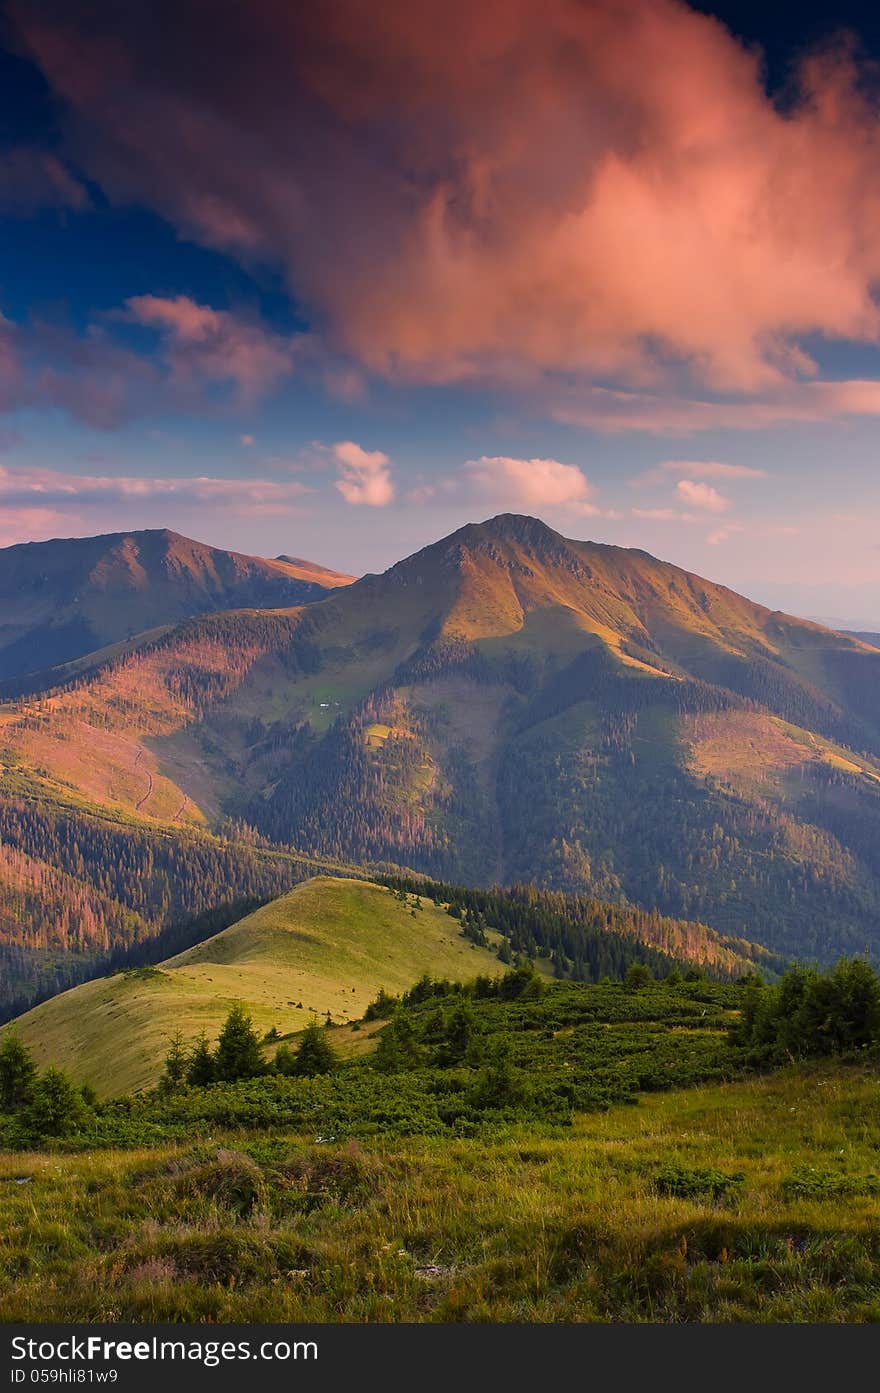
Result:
{"points": [[174, 1074], [459, 1032], [56, 1107], [201, 1067], [17, 1074], [314, 1056], [238, 1050]]}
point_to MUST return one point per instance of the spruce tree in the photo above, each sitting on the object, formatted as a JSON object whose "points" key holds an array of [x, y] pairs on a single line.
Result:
{"points": [[56, 1107], [174, 1073], [314, 1056], [238, 1050], [17, 1074], [201, 1069]]}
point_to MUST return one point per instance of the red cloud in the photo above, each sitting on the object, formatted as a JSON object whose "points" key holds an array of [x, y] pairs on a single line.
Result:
{"points": [[504, 190]]}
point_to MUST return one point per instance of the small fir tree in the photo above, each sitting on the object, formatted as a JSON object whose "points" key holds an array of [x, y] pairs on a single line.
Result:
{"points": [[314, 1056], [18, 1074], [57, 1106], [238, 1050], [201, 1068]]}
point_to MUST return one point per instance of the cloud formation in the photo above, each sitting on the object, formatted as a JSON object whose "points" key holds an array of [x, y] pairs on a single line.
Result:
{"points": [[36, 502], [202, 344], [205, 358], [706, 469], [364, 475], [543, 194], [526, 483], [31, 179], [700, 495]]}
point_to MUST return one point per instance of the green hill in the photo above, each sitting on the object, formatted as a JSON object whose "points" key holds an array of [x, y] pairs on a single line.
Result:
{"points": [[328, 945]]}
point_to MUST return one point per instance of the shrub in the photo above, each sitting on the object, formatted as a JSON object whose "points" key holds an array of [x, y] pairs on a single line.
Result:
{"points": [[685, 1183], [232, 1179], [638, 975]]}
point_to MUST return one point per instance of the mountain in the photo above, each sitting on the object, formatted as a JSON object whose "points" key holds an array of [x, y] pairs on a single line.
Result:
{"points": [[62, 599], [506, 705]]}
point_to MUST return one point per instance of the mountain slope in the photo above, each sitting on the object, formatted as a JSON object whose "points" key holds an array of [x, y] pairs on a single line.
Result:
{"points": [[328, 945], [64, 598], [509, 705]]}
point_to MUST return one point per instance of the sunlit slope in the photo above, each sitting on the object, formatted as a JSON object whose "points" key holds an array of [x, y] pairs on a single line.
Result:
{"points": [[505, 705], [183, 722], [329, 945], [64, 598]]}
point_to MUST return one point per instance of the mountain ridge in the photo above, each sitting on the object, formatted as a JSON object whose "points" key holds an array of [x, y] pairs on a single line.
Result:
{"points": [[67, 597]]}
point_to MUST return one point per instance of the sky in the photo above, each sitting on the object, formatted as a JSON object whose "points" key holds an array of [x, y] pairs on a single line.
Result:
{"points": [[331, 280]]}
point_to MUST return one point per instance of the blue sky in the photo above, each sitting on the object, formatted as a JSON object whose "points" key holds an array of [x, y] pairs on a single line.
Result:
{"points": [[334, 289]]}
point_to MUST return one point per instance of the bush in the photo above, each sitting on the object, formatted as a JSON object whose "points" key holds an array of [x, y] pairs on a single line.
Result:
{"points": [[638, 975], [232, 1179], [811, 1013], [685, 1183]]}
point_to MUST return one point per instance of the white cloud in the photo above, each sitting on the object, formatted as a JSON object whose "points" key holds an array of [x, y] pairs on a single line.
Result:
{"points": [[528, 483], [703, 496], [364, 475]]}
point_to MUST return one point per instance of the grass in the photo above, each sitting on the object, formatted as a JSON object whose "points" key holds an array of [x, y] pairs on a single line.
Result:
{"points": [[691, 1206], [329, 945]]}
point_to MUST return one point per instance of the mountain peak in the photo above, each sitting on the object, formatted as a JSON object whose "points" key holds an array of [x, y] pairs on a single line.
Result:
{"points": [[518, 528]]}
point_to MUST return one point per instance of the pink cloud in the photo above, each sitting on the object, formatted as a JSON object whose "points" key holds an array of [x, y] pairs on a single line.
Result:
{"points": [[208, 359], [664, 515], [31, 179], [506, 192], [700, 495], [364, 475], [707, 469], [31, 524], [204, 344], [34, 500], [614, 411], [527, 483]]}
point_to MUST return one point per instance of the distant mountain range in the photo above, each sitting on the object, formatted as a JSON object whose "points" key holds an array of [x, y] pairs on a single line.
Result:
{"points": [[505, 706], [63, 599]]}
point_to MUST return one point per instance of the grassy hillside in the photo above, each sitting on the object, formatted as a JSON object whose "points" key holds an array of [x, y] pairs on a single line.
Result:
{"points": [[630, 1215], [328, 945]]}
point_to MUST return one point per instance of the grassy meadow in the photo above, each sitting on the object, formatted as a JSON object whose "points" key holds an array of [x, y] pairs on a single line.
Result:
{"points": [[756, 1200]]}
